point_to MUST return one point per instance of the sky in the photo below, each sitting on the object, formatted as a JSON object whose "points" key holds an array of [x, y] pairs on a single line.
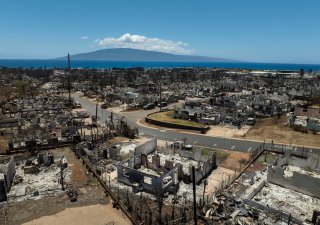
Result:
{"points": [[280, 31]]}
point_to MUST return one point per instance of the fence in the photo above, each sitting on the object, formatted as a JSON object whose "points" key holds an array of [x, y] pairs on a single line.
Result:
{"points": [[228, 179], [301, 152], [138, 208]]}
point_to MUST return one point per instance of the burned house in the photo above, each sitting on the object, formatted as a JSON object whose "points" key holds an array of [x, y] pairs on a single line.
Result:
{"points": [[189, 112], [287, 190], [306, 117], [158, 173], [204, 163], [297, 174], [7, 172], [149, 176]]}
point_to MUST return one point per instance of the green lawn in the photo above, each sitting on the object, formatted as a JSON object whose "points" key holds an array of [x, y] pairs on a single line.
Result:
{"points": [[269, 158], [167, 116]]}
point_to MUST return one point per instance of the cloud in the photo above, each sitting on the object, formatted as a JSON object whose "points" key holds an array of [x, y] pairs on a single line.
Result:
{"points": [[145, 43], [84, 38]]}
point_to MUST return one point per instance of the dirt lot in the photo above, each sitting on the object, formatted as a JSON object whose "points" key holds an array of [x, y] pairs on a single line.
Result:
{"points": [[89, 193], [93, 215], [4, 143], [227, 131], [277, 131], [232, 162], [226, 168]]}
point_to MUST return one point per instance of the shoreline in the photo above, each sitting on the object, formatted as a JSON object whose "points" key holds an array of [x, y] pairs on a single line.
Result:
{"points": [[101, 64]]}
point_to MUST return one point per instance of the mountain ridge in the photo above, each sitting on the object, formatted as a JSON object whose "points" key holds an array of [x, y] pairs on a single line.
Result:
{"points": [[129, 54]]}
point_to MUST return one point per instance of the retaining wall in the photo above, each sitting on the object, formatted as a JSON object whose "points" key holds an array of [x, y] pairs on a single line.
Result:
{"points": [[176, 126], [146, 148]]}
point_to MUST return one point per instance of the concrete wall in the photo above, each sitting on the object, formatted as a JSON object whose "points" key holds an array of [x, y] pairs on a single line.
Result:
{"points": [[311, 163], [130, 175], [6, 182], [203, 171], [175, 174], [167, 149], [209, 163], [298, 182], [146, 148], [256, 190], [134, 161], [196, 155], [147, 182], [114, 153], [9, 175], [3, 191], [186, 154]]}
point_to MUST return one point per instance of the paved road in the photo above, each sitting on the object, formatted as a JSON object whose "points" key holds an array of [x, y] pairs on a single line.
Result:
{"points": [[172, 135]]}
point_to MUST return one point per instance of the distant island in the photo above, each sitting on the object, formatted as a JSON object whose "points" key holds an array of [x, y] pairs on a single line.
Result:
{"points": [[129, 54]]}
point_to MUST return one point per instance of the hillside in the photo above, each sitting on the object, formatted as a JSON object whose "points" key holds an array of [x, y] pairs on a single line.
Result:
{"points": [[127, 54]]}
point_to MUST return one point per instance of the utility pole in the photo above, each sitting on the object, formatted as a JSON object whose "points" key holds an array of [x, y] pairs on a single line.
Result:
{"points": [[61, 174], [194, 196], [205, 183], [96, 112], [69, 70], [97, 123], [160, 94]]}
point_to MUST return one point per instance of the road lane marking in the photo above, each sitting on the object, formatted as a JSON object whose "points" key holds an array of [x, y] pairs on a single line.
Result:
{"points": [[233, 147], [214, 145], [249, 149], [195, 142]]}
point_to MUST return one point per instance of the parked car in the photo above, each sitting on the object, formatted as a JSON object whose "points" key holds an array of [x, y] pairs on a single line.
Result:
{"points": [[163, 104], [149, 106], [251, 121]]}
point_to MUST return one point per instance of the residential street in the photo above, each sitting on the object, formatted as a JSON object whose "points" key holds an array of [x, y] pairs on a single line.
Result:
{"points": [[172, 135]]}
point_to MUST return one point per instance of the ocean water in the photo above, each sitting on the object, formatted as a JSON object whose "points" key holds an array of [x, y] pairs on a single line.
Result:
{"points": [[123, 64]]}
